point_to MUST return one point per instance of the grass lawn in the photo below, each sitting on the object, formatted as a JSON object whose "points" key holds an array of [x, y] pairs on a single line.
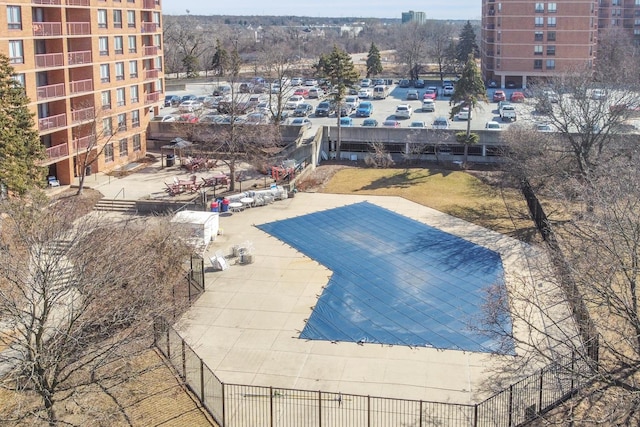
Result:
{"points": [[466, 195]]}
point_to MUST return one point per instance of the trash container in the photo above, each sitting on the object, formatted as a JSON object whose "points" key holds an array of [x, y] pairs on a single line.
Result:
{"points": [[214, 206], [224, 206], [171, 160], [87, 170]]}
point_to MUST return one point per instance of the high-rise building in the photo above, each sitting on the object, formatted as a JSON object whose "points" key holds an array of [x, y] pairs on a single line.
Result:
{"points": [[92, 70], [525, 41], [411, 16]]}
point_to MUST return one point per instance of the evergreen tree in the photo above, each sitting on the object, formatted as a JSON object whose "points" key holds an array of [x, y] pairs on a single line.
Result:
{"points": [[467, 44], [220, 60], [374, 63], [20, 147]]}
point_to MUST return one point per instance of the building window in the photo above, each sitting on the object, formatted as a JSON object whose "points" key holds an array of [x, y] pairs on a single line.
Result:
{"points": [[551, 21], [551, 36], [538, 36], [156, 19], [122, 122], [103, 46], [537, 49], [616, 2], [636, 31], [157, 41], [134, 94], [108, 152], [20, 79], [551, 50], [551, 8], [107, 129], [16, 53], [636, 22], [539, 7], [117, 18], [637, 2], [539, 21], [135, 119], [119, 70], [137, 146], [106, 100], [104, 73], [551, 64], [118, 45], [14, 18], [124, 147], [157, 63], [133, 46], [498, 63], [102, 18], [120, 99], [537, 64], [131, 18], [133, 69], [500, 7]]}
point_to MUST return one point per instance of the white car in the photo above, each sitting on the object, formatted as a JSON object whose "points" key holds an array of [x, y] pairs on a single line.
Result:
{"points": [[352, 101], [311, 82], [440, 123], [365, 93], [403, 111], [293, 102], [544, 127], [463, 114], [447, 90], [296, 81], [165, 118], [493, 125], [315, 92], [190, 106], [365, 83], [428, 105]]}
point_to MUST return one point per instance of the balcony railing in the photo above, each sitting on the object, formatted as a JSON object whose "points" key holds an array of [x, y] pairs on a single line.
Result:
{"points": [[149, 27], [57, 151], [77, 2], [46, 29], [79, 58], [78, 28], [83, 114], [45, 2], [52, 122], [150, 98], [83, 143], [50, 91], [148, 4], [49, 60], [150, 50], [150, 74], [81, 86]]}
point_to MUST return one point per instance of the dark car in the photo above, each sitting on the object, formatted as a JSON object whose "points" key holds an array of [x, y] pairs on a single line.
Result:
{"points": [[419, 83], [171, 101], [245, 87], [325, 109], [303, 110], [404, 83]]}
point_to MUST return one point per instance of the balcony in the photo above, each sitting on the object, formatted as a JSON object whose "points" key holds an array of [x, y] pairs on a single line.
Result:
{"points": [[49, 60], [149, 27], [150, 98], [78, 28], [150, 50], [81, 86], [148, 4], [52, 122], [47, 29], [50, 2], [50, 91], [77, 2], [83, 114], [83, 143], [57, 151], [79, 58], [150, 74]]}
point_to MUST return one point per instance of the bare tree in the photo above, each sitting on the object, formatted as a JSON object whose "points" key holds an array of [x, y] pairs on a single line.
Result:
{"points": [[188, 40], [412, 50], [77, 295], [440, 35]]}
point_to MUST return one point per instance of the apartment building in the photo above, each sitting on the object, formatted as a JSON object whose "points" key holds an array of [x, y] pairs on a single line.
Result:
{"points": [[526, 41], [92, 70], [412, 16]]}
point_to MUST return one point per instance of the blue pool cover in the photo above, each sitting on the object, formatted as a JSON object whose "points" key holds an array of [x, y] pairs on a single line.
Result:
{"points": [[395, 280]]}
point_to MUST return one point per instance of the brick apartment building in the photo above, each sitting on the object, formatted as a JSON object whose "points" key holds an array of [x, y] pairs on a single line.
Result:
{"points": [[92, 70], [525, 41]]}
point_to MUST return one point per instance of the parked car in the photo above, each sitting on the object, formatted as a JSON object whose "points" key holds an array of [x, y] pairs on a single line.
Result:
{"points": [[365, 93], [598, 94], [378, 82], [293, 102], [430, 93], [412, 95], [165, 118], [365, 83], [370, 123], [499, 95], [222, 90], [187, 118], [187, 98], [310, 82], [245, 87], [517, 97], [190, 106], [493, 125], [297, 81], [403, 111], [448, 90], [352, 101], [365, 109], [325, 109], [510, 84], [428, 105], [418, 124], [303, 110], [419, 83], [171, 101], [404, 83], [391, 123], [345, 110], [301, 121], [544, 127], [508, 113], [463, 114], [441, 123], [302, 91], [346, 121], [315, 93]]}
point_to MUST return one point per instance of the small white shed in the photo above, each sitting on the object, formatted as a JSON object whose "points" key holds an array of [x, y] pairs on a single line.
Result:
{"points": [[202, 227]]}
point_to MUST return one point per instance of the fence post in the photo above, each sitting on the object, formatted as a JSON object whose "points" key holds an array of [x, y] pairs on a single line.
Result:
{"points": [[475, 415], [420, 417], [573, 372], [202, 380], [168, 345], [540, 392], [510, 406], [368, 411], [184, 359], [319, 408], [224, 406], [270, 406]]}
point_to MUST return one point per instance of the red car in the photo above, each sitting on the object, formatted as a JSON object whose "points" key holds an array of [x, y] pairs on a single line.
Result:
{"points": [[499, 95], [188, 118], [304, 92], [430, 93], [517, 97]]}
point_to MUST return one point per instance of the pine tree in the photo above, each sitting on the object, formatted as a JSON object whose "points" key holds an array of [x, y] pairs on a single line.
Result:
{"points": [[374, 63], [20, 147], [467, 44], [220, 60]]}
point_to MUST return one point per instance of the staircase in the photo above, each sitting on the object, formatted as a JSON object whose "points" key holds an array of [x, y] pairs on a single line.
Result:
{"points": [[113, 205]]}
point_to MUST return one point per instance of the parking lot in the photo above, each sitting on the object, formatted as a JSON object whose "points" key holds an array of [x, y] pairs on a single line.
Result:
{"points": [[384, 109]]}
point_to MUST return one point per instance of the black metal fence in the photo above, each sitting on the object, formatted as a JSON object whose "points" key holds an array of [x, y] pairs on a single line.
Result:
{"points": [[237, 405]]}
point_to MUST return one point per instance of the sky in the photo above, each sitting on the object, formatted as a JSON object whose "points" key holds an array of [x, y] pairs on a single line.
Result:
{"points": [[458, 9]]}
